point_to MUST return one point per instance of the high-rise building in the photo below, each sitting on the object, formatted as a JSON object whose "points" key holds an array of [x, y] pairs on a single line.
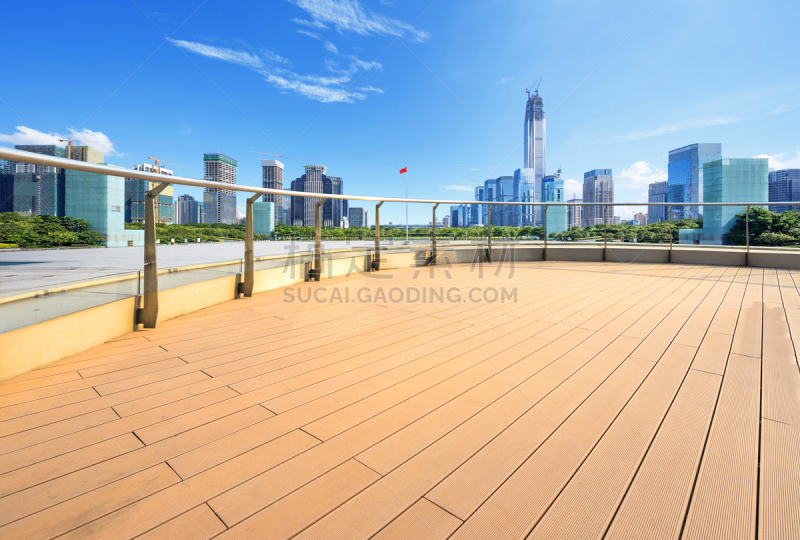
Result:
{"points": [[85, 153], [272, 178], [476, 210], [574, 213], [499, 190], [534, 146], [657, 192], [6, 187], [685, 176], [218, 208], [553, 191], [100, 200], [446, 221], [526, 190], [639, 218], [39, 190], [357, 217], [304, 208], [135, 190], [459, 215], [598, 187], [187, 210], [727, 180], [263, 217], [784, 186]]}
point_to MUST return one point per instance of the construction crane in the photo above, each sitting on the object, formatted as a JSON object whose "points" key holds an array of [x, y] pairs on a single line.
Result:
{"points": [[535, 90], [157, 161], [70, 141], [276, 156]]}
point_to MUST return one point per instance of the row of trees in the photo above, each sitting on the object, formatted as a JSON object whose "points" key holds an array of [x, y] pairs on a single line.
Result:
{"points": [[46, 231], [766, 228], [206, 232]]}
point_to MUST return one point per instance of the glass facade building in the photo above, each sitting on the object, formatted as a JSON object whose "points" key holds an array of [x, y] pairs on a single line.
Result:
{"points": [[134, 197], [784, 186], [535, 147], [553, 191], [685, 176], [357, 217], [39, 190], [304, 208], [219, 207], [459, 215], [263, 217], [525, 191], [727, 180], [598, 187], [657, 192], [272, 178], [187, 210], [476, 210], [6, 187]]}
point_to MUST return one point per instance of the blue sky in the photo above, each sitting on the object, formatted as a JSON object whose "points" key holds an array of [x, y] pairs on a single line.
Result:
{"points": [[366, 87]]}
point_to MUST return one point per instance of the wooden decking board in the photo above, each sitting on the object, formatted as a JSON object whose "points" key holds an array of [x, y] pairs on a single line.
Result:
{"points": [[466, 414]]}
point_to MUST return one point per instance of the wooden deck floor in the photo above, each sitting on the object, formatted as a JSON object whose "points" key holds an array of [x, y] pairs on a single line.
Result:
{"points": [[608, 401]]}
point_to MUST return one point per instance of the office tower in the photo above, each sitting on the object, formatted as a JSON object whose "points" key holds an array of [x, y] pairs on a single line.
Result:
{"points": [[85, 153], [525, 190], [534, 146], [446, 221], [357, 217], [500, 190], [216, 207], [657, 192], [345, 212], [263, 217], [685, 176], [784, 186], [135, 190], [304, 208], [553, 191], [459, 215], [39, 190], [598, 187], [727, 180], [100, 200], [476, 210], [574, 213], [6, 187], [489, 189], [272, 178], [187, 210], [639, 218]]}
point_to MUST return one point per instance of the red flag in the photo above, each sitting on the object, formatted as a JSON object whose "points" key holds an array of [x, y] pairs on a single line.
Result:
{"points": [[403, 170]]}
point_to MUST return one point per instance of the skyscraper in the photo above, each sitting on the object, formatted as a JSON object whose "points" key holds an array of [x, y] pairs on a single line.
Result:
{"points": [[6, 187], [135, 190], [598, 187], [727, 180], [553, 191], [534, 147], [218, 208], [476, 210], [574, 213], [187, 210], [357, 217], [263, 217], [39, 190], [685, 176], [304, 208], [784, 186], [272, 178], [525, 190], [657, 192], [459, 215]]}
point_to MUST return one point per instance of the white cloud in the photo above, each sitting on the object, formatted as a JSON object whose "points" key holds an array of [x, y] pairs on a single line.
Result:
{"points": [[639, 175], [458, 187], [350, 15], [311, 86], [782, 161], [311, 34], [678, 126], [95, 139], [371, 89], [331, 47], [573, 189], [505, 80], [310, 24]]}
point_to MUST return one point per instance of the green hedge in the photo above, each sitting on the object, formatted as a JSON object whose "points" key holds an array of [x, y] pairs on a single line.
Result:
{"points": [[46, 231]]}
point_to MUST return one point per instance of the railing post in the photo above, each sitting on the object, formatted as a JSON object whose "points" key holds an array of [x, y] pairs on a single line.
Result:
{"points": [[316, 271], [433, 235], [747, 234], [246, 287], [148, 314], [489, 235], [605, 233], [669, 256], [544, 254], [376, 258]]}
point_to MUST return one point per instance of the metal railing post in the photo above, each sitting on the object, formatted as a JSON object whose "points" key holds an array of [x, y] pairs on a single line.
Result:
{"points": [[246, 287], [149, 312], [376, 258], [605, 233], [489, 236], [433, 235], [316, 271], [669, 256], [747, 234], [544, 253]]}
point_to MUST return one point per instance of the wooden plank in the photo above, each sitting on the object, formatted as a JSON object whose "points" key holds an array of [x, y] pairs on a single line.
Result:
{"points": [[423, 521], [198, 524]]}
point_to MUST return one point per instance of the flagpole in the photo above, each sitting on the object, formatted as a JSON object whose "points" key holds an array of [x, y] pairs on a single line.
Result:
{"points": [[406, 207]]}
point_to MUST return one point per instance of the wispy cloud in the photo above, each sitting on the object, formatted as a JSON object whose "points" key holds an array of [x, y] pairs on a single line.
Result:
{"points": [[26, 135], [639, 175], [350, 15], [782, 161], [371, 89], [311, 34], [310, 24], [677, 126], [457, 187], [272, 68], [504, 81], [330, 47]]}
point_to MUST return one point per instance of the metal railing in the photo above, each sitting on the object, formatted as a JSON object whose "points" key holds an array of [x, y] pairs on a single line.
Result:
{"points": [[148, 313]]}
